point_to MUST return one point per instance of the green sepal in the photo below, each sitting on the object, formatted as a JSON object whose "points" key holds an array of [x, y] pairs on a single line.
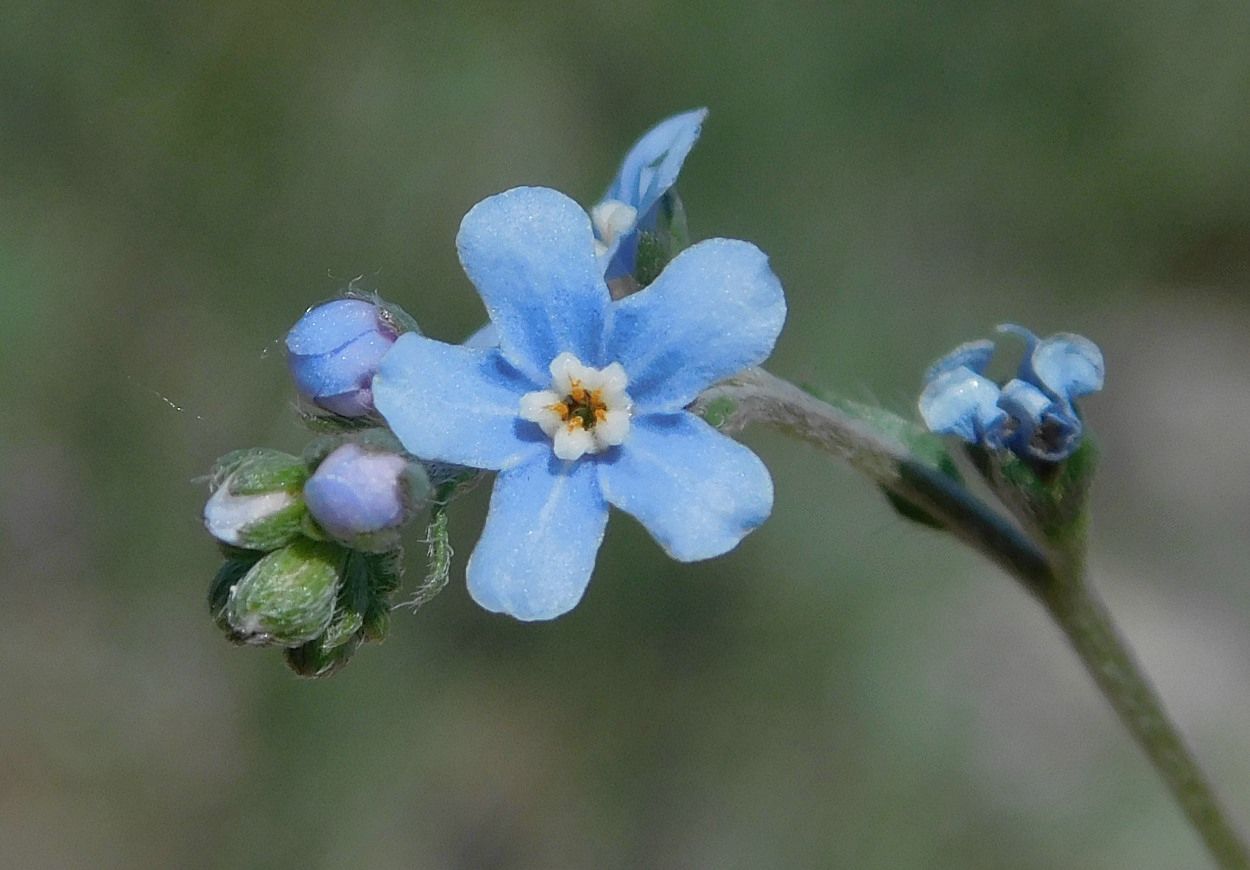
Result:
{"points": [[313, 661], [718, 412], [287, 598], [1049, 498], [230, 573], [353, 602], [276, 530], [333, 424], [267, 471], [657, 247], [394, 317]]}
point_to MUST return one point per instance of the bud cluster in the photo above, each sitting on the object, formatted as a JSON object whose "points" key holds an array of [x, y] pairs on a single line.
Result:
{"points": [[312, 544]]}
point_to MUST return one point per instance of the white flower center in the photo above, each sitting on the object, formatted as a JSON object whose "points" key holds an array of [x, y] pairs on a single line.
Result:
{"points": [[586, 410], [610, 218]]}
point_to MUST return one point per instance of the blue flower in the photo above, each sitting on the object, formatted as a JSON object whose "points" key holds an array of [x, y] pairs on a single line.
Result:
{"points": [[357, 493], [632, 203], [333, 352], [1034, 415], [582, 404]]}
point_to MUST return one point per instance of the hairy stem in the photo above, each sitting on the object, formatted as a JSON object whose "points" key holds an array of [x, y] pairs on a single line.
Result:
{"points": [[1055, 576]]}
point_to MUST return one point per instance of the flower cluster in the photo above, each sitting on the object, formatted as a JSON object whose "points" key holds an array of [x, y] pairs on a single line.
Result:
{"points": [[602, 332], [1034, 414]]}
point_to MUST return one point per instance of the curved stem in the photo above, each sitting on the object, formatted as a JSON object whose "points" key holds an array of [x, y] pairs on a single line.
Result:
{"points": [[755, 396], [1084, 619], [1055, 578]]}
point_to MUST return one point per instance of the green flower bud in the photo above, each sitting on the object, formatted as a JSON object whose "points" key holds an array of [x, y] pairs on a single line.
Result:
{"points": [[288, 597], [256, 502]]}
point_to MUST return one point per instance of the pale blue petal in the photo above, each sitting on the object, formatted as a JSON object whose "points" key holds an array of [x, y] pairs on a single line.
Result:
{"points": [[696, 491], [649, 171], [531, 254], [973, 355], [1068, 365], [538, 548], [344, 369], [963, 403], [326, 327], [652, 165], [1030, 340], [484, 338], [715, 310], [449, 403], [1044, 428]]}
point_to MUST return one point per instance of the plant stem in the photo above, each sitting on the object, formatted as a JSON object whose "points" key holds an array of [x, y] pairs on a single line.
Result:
{"points": [[1055, 577], [1084, 619]]}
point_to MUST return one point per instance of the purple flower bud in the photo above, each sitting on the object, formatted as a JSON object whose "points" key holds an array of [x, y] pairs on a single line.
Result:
{"points": [[356, 493], [333, 352]]}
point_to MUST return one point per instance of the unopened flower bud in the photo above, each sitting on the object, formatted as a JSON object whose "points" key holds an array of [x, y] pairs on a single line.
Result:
{"points": [[255, 502], [334, 350], [362, 496], [288, 597]]}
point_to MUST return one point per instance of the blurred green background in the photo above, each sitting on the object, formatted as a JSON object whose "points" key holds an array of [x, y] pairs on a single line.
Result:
{"points": [[179, 181]]}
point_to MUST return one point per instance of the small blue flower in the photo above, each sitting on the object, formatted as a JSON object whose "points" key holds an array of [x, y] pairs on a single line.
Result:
{"points": [[357, 492], [633, 200], [1034, 415], [582, 404], [333, 352]]}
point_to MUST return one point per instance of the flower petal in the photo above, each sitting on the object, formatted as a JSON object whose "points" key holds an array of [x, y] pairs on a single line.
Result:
{"points": [[696, 491], [530, 252], [652, 165], [450, 403], [973, 355], [326, 327], [341, 370], [538, 548], [716, 309], [486, 336], [1068, 365], [963, 403], [1046, 429]]}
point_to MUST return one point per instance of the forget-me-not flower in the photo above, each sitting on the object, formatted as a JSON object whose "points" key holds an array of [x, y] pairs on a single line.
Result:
{"points": [[632, 203], [582, 404], [1034, 414]]}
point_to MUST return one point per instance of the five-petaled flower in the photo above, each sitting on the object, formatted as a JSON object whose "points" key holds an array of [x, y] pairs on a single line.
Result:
{"points": [[582, 404], [1034, 414]]}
